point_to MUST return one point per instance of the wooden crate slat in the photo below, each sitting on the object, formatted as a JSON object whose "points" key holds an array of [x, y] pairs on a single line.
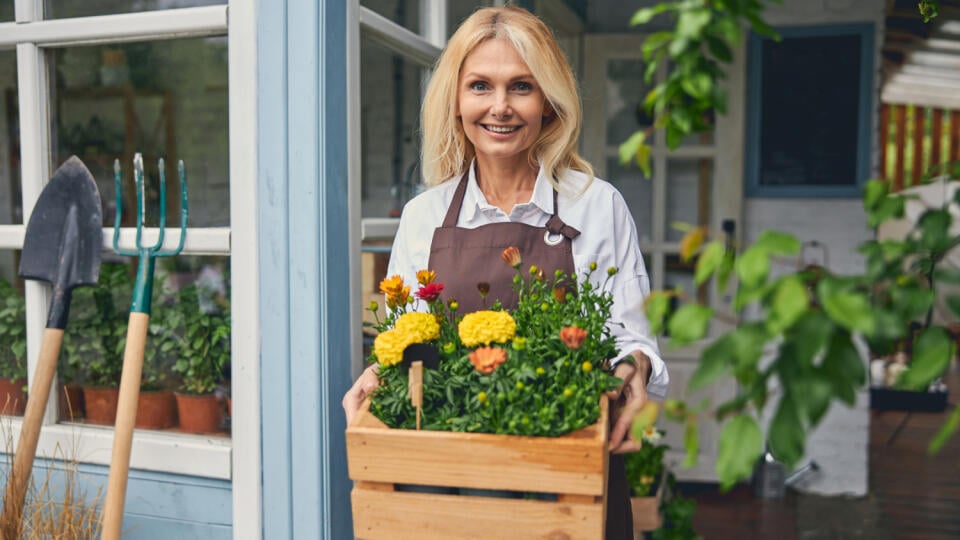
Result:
{"points": [[416, 516], [573, 464]]}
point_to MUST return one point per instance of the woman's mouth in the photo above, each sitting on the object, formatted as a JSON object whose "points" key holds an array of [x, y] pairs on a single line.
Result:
{"points": [[500, 129]]}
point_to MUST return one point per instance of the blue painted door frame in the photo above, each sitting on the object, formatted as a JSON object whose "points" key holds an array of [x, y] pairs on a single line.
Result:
{"points": [[304, 274]]}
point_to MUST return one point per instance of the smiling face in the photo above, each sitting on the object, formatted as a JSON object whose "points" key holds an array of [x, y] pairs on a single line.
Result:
{"points": [[499, 102]]}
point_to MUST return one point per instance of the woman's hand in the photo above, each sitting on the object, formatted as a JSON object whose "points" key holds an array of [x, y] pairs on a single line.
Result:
{"points": [[365, 383], [627, 401]]}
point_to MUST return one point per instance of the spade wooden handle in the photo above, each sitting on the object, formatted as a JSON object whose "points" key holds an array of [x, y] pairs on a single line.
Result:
{"points": [[30, 432], [123, 429]]}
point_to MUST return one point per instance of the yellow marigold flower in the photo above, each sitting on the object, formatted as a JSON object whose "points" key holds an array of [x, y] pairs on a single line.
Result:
{"points": [[586, 367], [541, 371], [426, 277], [482, 397], [392, 286], [519, 385], [486, 327], [567, 392], [421, 327], [389, 346]]}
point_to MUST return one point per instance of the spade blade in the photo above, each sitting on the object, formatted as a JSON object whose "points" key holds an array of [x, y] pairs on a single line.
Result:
{"points": [[64, 236]]}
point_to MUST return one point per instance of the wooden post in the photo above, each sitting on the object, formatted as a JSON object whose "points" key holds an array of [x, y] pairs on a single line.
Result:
{"points": [[416, 387]]}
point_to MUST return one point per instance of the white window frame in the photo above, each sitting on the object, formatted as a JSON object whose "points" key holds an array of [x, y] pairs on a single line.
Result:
{"points": [[421, 48], [197, 455]]}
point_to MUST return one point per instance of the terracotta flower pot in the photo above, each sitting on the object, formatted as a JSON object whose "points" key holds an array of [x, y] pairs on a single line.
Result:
{"points": [[101, 404], [156, 410], [13, 400], [70, 402], [199, 413]]}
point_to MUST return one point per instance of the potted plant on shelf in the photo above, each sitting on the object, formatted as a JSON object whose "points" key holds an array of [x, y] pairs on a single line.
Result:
{"points": [[93, 342], [13, 349], [204, 351], [156, 407]]}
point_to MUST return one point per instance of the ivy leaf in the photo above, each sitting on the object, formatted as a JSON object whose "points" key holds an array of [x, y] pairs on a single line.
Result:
{"points": [[787, 435], [708, 261], [932, 352], [741, 443], [689, 323], [789, 302], [753, 266], [846, 307], [715, 360], [778, 243]]}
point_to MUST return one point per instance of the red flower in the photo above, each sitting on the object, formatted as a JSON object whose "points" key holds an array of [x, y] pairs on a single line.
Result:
{"points": [[573, 336], [430, 292]]}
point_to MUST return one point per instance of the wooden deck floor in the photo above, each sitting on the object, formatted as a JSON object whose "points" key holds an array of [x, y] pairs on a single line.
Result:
{"points": [[913, 495]]}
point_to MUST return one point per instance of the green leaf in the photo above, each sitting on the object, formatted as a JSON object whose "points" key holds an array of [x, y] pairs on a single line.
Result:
{"points": [[753, 266], [847, 307], [628, 150], [708, 261], [643, 159], [932, 352], [691, 23], [874, 191], [748, 341], [657, 305], [953, 302], [890, 207], [645, 15], [697, 85], [725, 270], [719, 49], [813, 394], [947, 275], [946, 430], [934, 228], [762, 28], [809, 335], [778, 243], [715, 360], [689, 323], [680, 117], [653, 42], [741, 443], [789, 302], [691, 442], [787, 435], [674, 135], [844, 367]]}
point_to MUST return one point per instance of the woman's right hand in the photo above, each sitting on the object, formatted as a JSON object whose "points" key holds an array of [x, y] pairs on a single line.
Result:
{"points": [[364, 384]]}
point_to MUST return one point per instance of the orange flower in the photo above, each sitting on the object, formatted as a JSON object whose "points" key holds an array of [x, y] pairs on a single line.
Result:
{"points": [[560, 294], [486, 359], [392, 286], [399, 298], [511, 256], [573, 336], [426, 277]]}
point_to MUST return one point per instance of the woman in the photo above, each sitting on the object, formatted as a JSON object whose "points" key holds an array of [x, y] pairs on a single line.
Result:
{"points": [[501, 118]]}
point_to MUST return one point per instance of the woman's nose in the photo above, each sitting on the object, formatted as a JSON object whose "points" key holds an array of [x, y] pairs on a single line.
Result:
{"points": [[501, 105]]}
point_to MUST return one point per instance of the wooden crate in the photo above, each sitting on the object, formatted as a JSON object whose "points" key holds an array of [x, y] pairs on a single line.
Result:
{"points": [[574, 467], [646, 510]]}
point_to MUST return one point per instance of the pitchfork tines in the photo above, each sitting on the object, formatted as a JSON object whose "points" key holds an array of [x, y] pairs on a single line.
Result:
{"points": [[147, 254]]}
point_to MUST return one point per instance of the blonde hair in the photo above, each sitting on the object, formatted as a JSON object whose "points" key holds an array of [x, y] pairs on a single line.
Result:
{"points": [[446, 152]]}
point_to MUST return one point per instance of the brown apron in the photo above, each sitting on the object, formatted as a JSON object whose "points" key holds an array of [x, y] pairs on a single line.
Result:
{"points": [[463, 258]]}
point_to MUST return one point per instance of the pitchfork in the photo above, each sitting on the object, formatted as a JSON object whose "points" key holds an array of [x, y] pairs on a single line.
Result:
{"points": [[136, 333]]}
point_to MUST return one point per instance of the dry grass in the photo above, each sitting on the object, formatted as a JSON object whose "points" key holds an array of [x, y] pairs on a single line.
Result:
{"points": [[50, 514]]}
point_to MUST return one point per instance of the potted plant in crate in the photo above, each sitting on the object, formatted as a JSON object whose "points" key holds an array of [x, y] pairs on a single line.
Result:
{"points": [[204, 352], [520, 395], [646, 475], [13, 349]]}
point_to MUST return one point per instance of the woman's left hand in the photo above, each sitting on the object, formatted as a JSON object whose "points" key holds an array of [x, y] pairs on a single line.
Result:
{"points": [[627, 402]]}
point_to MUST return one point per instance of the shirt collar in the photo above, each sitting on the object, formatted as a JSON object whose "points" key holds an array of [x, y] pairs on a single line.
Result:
{"points": [[474, 200]]}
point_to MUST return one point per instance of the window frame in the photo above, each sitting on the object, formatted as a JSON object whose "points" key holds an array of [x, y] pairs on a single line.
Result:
{"points": [[237, 458], [752, 185]]}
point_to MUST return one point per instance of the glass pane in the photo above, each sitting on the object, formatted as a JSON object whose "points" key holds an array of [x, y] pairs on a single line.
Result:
{"points": [[688, 194], [164, 99], [638, 192], [390, 110], [188, 343], [458, 10], [62, 9], [13, 337], [6, 11], [406, 13], [625, 94], [11, 209]]}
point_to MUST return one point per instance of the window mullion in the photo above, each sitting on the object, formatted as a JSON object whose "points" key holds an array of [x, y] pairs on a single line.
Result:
{"points": [[397, 38], [35, 171]]}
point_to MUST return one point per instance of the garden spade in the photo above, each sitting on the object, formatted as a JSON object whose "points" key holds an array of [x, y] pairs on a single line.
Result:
{"points": [[62, 247]]}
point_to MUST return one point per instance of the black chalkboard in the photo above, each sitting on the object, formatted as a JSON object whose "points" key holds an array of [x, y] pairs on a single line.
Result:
{"points": [[809, 103]]}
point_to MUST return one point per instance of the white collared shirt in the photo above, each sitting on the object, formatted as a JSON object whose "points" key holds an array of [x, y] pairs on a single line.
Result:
{"points": [[608, 237]]}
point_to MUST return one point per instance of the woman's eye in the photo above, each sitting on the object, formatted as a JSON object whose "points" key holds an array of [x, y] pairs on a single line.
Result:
{"points": [[478, 86], [524, 86]]}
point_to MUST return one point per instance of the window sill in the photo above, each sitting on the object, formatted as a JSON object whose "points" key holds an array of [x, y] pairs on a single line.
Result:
{"points": [[193, 455]]}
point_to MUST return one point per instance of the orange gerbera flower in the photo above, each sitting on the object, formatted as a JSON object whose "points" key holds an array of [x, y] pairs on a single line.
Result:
{"points": [[426, 277], [486, 359], [392, 286], [511, 256], [573, 336]]}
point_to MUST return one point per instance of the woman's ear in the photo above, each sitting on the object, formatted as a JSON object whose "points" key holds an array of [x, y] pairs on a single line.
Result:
{"points": [[548, 112]]}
